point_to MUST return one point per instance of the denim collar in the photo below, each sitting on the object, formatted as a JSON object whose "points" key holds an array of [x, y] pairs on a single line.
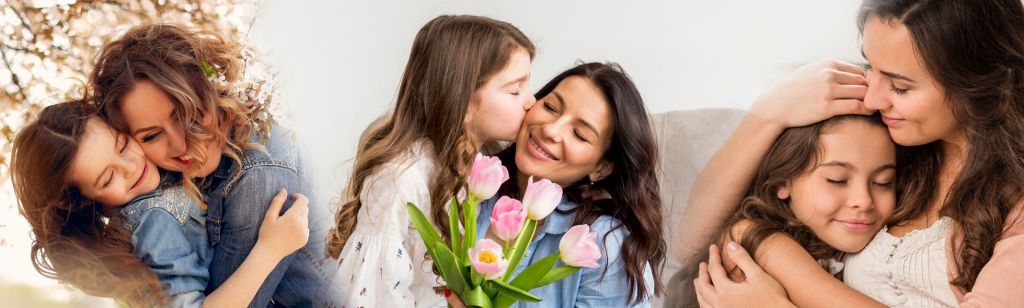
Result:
{"points": [[559, 223], [217, 182]]}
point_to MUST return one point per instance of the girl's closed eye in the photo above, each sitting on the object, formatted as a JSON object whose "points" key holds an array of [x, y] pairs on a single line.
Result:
{"points": [[836, 181]]}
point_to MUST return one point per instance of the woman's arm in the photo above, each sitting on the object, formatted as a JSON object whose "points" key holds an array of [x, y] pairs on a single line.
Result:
{"points": [[279, 236], [813, 93]]}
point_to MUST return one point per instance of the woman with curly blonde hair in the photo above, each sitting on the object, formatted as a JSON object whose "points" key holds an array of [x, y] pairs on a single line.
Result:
{"points": [[173, 90]]}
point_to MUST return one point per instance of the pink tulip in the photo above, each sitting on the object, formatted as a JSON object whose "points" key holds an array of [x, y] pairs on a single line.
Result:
{"points": [[578, 248], [541, 198], [507, 218], [487, 259], [486, 176]]}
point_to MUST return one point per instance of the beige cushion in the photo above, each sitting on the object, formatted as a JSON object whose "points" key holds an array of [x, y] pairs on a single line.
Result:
{"points": [[686, 141]]}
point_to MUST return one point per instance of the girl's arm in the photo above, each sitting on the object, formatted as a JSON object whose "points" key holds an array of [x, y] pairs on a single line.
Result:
{"points": [[813, 93], [279, 236], [788, 266], [806, 282]]}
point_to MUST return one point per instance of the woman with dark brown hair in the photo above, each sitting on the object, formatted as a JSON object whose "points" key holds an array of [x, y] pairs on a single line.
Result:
{"points": [[108, 222], [948, 80], [590, 133], [465, 85]]}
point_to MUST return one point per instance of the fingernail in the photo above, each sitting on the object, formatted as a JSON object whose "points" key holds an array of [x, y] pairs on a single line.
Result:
{"points": [[732, 246], [282, 191], [447, 293]]}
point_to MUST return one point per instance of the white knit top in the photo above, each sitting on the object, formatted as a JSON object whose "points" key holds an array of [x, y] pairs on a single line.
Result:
{"points": [[904, 272]]}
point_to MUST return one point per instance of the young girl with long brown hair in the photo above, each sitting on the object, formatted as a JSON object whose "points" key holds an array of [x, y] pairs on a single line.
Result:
{"points": [[107, 222], [465, 85], [821, 192]]}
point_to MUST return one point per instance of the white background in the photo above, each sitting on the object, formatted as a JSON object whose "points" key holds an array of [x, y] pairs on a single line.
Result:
{"points": [[340, 63]]}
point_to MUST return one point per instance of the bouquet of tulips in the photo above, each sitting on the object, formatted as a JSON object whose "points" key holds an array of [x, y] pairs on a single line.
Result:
{"points": [[481, 272]]}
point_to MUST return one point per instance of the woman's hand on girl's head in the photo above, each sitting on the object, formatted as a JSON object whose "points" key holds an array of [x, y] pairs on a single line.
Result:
{"points": [[284, 234], [813, 93], [716, 289]]}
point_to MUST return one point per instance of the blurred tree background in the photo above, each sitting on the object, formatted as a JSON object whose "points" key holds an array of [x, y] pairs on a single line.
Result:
{"points": [[47, 49]]}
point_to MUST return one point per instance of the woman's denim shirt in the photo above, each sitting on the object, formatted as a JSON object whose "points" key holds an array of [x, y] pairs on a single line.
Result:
{"points": [[169, 234], [585, 288], [238, 195]]}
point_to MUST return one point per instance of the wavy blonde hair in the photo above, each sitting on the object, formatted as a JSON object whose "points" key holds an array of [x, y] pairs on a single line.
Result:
{"points": [[452, 57], [178, 60]]}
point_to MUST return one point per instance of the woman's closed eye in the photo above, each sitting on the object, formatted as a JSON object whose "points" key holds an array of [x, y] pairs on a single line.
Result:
{"points": [[151, 136], [550, 107], [580, 136], [897, 91]]}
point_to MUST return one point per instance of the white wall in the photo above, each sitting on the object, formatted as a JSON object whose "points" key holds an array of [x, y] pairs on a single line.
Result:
{"points": [[341, 61]]}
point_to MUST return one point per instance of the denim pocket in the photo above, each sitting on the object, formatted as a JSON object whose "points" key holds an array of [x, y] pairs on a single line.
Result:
{"points": [[213, 230]]}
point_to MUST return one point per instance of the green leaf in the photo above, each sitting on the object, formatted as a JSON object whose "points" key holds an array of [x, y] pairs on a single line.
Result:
{"points": [[469, 210], [453, 230], [476, 297], [522, 241], [513, 292], [556, 274], [207, 69], [425, 229], [532, 274], [452, 272], [503, 301]]}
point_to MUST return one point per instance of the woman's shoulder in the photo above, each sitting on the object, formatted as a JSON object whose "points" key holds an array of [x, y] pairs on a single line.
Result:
{"points": [[278, 146]]}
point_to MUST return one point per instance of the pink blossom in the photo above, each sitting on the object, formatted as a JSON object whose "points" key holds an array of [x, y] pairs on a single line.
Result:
{"points": [[578, 248], [487, 259], [541, 198], [507, 218], [486, 176]]}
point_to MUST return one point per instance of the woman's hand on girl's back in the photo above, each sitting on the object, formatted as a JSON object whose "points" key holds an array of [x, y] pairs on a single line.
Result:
{"points": [[285, 233], [813, 93]]}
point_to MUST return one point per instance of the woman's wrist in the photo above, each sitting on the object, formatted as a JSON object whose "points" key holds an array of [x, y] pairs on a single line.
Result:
{"points": [[763, 124]]}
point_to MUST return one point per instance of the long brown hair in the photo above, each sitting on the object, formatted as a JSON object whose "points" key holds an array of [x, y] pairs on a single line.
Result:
{"points": [[795, 152], [635, 197], [975, 51], [452, 57], [73, 243], [177, 59]]}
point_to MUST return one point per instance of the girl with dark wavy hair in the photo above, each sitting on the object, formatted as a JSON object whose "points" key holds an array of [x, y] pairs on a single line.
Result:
{"points": [[822, 192], [947, 77]]}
